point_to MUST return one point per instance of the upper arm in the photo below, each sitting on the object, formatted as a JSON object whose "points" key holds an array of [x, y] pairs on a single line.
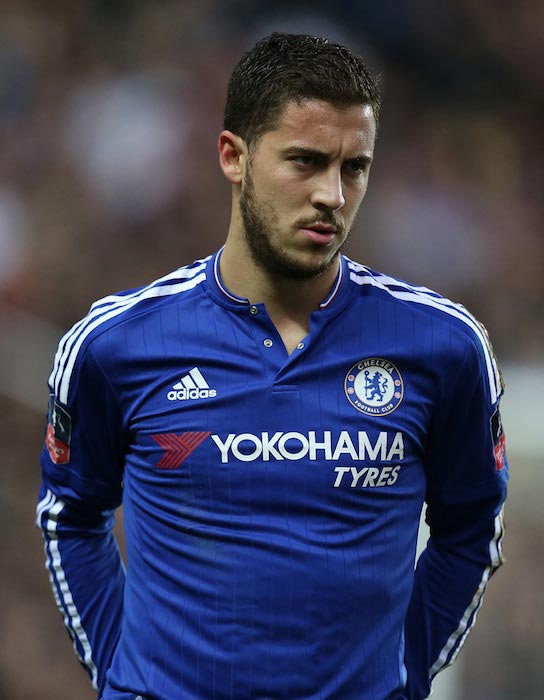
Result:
{"points": [[82, 456], [466, 468]]}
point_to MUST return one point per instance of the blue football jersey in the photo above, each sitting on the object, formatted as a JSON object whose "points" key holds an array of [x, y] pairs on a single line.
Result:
{"points": [[271, 501]]}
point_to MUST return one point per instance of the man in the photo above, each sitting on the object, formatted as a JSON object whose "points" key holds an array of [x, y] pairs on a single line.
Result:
{"points": [[273, 418]]}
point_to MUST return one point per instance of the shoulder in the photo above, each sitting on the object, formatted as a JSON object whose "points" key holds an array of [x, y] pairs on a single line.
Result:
{"points": [[425, 310], [111, 312], [411, 299]]}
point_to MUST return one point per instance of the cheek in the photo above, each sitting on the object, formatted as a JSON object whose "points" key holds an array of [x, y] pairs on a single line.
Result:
{"points": [[286, 196], [353, 202], [286, 183], [275, 188]]}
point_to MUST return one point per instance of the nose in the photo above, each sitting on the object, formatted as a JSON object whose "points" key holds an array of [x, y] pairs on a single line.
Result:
{"points": [[328, 192]]}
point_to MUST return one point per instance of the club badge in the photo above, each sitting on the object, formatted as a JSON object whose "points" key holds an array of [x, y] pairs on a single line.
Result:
{"points": [[374, 386]]}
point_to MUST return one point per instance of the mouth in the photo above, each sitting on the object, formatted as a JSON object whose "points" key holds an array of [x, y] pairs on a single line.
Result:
{"points": [[321, 234]]}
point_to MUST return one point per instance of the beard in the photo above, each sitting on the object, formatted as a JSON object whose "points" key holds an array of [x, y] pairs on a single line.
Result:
{"points": [[261, 222]]}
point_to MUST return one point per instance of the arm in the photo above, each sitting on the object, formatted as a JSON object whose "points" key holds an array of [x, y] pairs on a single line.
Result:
{"points": [[81, 470], [466, 488]]}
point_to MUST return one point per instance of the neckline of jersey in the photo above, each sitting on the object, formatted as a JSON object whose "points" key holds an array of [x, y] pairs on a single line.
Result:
{"points": [[221, 293]]}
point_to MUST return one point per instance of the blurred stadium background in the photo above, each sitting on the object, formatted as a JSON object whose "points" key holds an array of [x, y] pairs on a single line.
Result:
{"points": [[109, 112]]}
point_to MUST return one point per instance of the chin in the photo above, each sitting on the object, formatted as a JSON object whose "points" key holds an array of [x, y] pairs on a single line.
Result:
{"points": [[305, 267]]}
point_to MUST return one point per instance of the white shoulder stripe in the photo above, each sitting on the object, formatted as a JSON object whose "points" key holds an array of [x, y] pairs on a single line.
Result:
{"points": [[99, 307], [420, 295], [364, 270], [387, 283], [177, 275], [61, 589], [105, 309]]}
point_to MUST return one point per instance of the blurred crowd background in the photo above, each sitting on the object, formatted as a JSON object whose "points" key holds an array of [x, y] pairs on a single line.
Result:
{"points": [[109, 116]]}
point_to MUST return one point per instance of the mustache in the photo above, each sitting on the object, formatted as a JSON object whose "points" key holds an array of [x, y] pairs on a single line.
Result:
{"points": [[326, 219]]}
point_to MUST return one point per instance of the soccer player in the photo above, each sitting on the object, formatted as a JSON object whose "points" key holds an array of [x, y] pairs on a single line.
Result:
{"points": [[273, 418]]}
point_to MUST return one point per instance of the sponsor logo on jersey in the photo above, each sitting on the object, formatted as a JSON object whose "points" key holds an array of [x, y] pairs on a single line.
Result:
{"points": [[191, 386], [385, 446], [177, 447], [374, 386], [266, 447], [59, 432], [499, 440], [366, 477]]}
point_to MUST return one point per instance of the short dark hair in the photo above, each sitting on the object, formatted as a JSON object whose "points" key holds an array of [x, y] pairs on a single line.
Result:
{"points": [[284, 67]]}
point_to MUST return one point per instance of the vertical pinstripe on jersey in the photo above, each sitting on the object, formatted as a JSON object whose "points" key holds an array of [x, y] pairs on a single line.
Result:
{"points": [[50, 508], [107, 308], [421, 295]]}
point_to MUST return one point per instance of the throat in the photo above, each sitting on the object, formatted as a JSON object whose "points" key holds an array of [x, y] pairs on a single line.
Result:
{"points": [[290, 313], [292, 331]]}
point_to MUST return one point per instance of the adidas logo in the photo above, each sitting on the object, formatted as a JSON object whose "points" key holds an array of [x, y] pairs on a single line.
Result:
{"points": [[191, 386]]}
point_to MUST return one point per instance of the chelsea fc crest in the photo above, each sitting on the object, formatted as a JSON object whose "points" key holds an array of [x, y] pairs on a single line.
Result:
{"points": [[374, 386]]}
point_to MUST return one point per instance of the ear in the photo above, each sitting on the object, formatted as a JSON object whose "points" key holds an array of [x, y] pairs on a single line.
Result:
{"points": [[232, 156]]}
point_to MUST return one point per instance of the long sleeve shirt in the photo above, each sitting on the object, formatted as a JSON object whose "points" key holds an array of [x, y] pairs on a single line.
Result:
{"points": [[271, 501]]}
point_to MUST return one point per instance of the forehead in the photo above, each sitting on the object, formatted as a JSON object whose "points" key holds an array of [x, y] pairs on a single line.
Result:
{"points": [[314, 123]]}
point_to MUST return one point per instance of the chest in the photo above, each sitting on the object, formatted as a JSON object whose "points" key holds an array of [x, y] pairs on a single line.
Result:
{"points": [[211, 414]]}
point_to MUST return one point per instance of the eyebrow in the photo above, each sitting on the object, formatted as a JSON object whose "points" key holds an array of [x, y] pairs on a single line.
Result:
{"points": [[320, 155]]}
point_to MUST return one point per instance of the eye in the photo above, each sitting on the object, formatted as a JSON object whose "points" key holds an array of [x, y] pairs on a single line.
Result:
{"points": [[357, 166], [303, 160]]}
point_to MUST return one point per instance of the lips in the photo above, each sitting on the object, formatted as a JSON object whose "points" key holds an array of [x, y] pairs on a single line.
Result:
{"points": [[321, 228], [321, 234]]}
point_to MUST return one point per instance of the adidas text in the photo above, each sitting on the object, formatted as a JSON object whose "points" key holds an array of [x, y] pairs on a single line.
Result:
{"points": [[184, 394]]}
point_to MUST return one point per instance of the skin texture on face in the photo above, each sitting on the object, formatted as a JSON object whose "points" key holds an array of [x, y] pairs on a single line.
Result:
{"points": [[296, 192], [302, 187], [261, 232]]}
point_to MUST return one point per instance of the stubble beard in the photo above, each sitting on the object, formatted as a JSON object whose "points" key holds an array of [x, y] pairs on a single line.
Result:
{"points": [[260, 223]]}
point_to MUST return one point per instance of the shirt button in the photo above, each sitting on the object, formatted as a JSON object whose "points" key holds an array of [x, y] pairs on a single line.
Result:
{"points": [[253, 310], [268, 343]]}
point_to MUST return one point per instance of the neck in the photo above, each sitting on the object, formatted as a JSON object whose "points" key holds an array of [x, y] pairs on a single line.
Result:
{"points": [[289, 302], [294, 298]]}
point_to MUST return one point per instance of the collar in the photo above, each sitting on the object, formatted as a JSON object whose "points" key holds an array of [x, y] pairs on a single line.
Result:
{"points": [[222, 294]]}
